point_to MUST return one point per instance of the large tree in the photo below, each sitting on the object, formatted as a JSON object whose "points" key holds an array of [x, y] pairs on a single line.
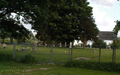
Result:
{"points": [[60, 20], [89, 30], [74, 19], [65, 20], [61, 27]]}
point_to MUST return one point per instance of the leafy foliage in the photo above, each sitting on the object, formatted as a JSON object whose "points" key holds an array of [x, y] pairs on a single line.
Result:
{"points": [[74, 18], [111, 67], [11, 24], [29, 59], [4, 34], [10, 29], [117, 43], [5, 57], [117, 27], [89, 30], [60, 20]]}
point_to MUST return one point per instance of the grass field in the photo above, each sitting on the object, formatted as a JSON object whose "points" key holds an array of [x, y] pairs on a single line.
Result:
{"points": [[16, 68], [43, 53], [13, 68]]}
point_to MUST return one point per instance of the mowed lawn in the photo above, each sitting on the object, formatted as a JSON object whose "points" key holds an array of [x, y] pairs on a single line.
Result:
{"points": [[17, 68], [12, 68]]}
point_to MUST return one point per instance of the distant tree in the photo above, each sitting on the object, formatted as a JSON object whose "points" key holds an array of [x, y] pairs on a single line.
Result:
{"points": [[117, 43], [97, 44]]}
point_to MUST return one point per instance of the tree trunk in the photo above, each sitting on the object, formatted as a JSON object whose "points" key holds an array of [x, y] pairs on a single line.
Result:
{"points": [[45, 44], [84, 42], [11, 39]]}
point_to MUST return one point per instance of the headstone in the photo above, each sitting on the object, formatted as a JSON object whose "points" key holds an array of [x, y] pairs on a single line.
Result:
{"points": [[53, 45], [60, 45], [4, 45], [70, 45], [93, 49], [65, 44]]}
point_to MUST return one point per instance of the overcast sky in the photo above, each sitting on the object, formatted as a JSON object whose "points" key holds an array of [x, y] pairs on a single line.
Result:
{"points": [[105, 12]]}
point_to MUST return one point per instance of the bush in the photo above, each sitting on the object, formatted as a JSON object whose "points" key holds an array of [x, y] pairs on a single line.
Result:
{"points": [[6, 57], [111, 67], [29, 59]]}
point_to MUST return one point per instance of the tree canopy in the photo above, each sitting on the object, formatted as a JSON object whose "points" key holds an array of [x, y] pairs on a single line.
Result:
{"points": [[59, 20], [10, 24], [68, 19], [12, 30]]}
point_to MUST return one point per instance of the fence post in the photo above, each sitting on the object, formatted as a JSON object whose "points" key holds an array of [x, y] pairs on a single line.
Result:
{"points": [[114, 53], [70, 47], [13, 50], [24, 51], [100, 52], [51, 54], [69, 55], [33, 49]]}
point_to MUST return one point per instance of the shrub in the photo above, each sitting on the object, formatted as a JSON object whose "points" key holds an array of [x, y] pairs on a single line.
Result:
{"points": [[29, 59], [6, 57], [111, 67]]}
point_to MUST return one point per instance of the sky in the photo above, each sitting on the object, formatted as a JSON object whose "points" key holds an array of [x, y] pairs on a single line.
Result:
{"points": [[105, 13]]}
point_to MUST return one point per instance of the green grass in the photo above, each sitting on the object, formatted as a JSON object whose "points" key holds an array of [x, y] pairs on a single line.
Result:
{"points": [[106, 54], [16, 68], [13, 68]]}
